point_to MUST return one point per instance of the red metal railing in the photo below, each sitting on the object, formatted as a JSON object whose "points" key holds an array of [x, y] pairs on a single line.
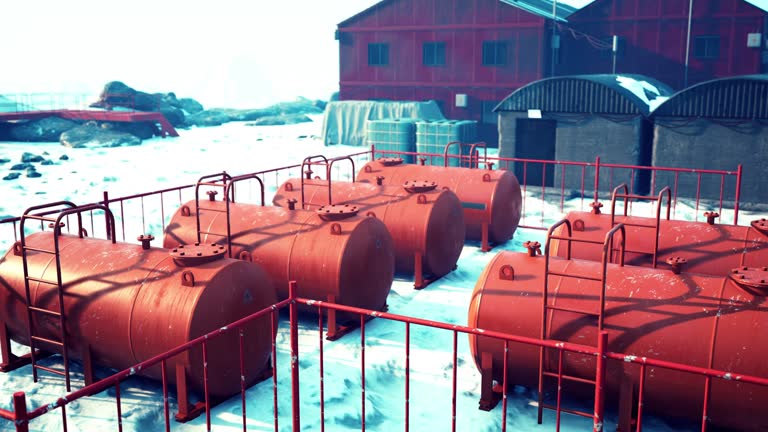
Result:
{"points": [[21, 416]]}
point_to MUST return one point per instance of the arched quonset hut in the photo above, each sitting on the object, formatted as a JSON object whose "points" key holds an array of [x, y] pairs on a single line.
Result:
{"points": [[577, 118], [717, 124]]}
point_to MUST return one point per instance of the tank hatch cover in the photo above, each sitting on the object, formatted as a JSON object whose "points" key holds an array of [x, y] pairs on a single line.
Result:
{"points": [[753, 279], [337, 211], [196, 254], [416, 186], [391, 161], [760, 225]]}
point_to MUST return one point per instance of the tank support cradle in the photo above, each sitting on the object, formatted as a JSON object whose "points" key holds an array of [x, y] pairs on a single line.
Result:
{"points": [[9, 361], [627, 405], [489, 395], [336, 331], [419, 280]]}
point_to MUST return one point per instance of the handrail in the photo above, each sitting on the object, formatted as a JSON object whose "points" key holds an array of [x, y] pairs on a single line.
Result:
{"points": [[657, 222], [229, 188], [225, 178], [328, 163]]}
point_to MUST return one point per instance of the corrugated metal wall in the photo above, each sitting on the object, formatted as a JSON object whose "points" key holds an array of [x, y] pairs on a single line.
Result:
{"points": [[727, 98]]}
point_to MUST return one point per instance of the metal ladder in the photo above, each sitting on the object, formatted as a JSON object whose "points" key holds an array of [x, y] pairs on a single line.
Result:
{"points": [[471, 159], [599, 314], [226, 182], [55, 222], [307, 180], [656, 226]]}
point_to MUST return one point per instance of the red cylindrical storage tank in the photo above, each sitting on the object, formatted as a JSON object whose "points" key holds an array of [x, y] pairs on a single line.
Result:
{"points": [[422, 219], [351, 259], [126, 304], [490, 198], [699, 320], [712, 249]]}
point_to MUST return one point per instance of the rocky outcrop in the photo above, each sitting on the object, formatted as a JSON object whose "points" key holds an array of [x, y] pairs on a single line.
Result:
{"points": [[118, 94], [27, 167], [281, 113], [92, 136], [43, 130], [280, 120]]}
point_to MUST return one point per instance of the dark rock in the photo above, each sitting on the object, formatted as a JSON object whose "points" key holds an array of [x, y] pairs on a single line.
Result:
{"points": [[334, 97], [43, 130], [22, 166], [47, 162], [190, 105], [208, 118], [90, 136], [4, 160], [64, 157], [29, 157], [280, 120], [12, 176], [300, 106], [118, 94], [143, 130], [174, 115], [33, 173]]}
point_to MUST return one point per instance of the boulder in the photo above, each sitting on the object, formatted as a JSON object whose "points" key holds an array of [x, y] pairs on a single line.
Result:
{"points": [[118, 94], [12, 176], [190, 105], [143, 130], [280, 120], [208, 118], [92, 136], [29, 157], [47, 129], [22, 166]]}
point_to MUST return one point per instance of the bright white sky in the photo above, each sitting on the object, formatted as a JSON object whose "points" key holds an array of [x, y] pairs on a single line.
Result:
{"points": [[235, 53]]}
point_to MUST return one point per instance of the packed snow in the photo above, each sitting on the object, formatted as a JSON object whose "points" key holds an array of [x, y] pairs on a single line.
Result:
{"points": [[236, 148]]}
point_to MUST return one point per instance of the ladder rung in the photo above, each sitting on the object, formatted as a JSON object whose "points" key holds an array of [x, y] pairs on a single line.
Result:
{"points": [[592, 278], [49, 282], [212, 209], [579, 311], [575, 240], [50, 341], [51, 370], [34, 249], [636, 224], [570, 378], [638, 197], [44, 311], [219, 184], [40, 218], [569, 411]]}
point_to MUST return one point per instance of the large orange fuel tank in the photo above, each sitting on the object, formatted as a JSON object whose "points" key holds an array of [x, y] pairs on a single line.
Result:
{"points": [[127, 304], [491, 198], [700, 320], [351, 258], [707, 248], [426, 223]]}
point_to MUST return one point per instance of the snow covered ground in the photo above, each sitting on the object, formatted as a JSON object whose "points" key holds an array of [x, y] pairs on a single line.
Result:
{"points": [[236, 148]]}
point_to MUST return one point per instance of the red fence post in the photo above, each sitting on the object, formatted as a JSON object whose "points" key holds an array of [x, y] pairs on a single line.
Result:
{"points": [[294, 355], [738, 195], [602, 345], [20, 411], [597, 176]]}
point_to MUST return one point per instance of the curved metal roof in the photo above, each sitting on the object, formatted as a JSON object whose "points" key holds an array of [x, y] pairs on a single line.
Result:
{"points": [[741, 97], [624, 94]]}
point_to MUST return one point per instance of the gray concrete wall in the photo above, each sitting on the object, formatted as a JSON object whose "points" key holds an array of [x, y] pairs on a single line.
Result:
{"points": [[702, 144], [583, 138]]}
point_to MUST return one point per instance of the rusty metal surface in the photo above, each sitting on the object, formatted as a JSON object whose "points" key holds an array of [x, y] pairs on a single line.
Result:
{"points": [[488, 196], [127, 304], [697, 320], [711, 249], [351, 259], [428, 221]]}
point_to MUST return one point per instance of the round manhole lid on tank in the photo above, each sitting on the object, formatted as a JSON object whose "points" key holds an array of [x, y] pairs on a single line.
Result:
{"points": [[391, 161], [337, 211], [754, 279], [196, 254], [416, 186], [760, 225]]}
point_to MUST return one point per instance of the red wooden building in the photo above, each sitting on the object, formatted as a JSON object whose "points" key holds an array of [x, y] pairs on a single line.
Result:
{"points": [[466, 54], [727, 38]]}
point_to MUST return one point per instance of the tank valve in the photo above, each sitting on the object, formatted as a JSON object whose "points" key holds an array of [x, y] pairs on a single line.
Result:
{"points": [[677, 263], [212, 195], [308, 174], [534, 248], [596, 206], [422, 161], [489, 165], [379, 180], [292, 203], [145, 240], [711, 216]]}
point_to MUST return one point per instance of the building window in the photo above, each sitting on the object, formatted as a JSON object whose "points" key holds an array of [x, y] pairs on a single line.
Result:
{"points": [[706, 47], [433, 53], [378, 54], [494, 53]]}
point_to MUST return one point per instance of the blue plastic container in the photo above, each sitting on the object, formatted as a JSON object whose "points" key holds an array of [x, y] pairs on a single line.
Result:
{"points": [[396, 135], [433, 136]]}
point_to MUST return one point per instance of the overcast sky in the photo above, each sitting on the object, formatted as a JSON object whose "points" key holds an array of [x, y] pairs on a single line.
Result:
{"points": [[234, 53]]}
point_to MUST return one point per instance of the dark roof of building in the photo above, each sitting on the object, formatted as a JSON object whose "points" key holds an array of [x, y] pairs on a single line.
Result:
{"points": [[625, 94], [541, 8], [740, 97]]}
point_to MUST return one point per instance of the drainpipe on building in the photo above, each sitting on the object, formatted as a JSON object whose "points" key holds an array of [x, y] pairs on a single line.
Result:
{"points": [[688, 43], [554, 43]]}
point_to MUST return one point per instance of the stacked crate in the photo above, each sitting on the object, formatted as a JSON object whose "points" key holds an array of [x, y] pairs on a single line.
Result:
{"points": [[433, 136], [395, 135]]}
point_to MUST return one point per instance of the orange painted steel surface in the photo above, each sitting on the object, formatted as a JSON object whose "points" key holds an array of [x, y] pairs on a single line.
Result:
{"points": [[125, 304], [707, 248], [424, 221], [351, 259], [698, 320], [490, 198]]}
